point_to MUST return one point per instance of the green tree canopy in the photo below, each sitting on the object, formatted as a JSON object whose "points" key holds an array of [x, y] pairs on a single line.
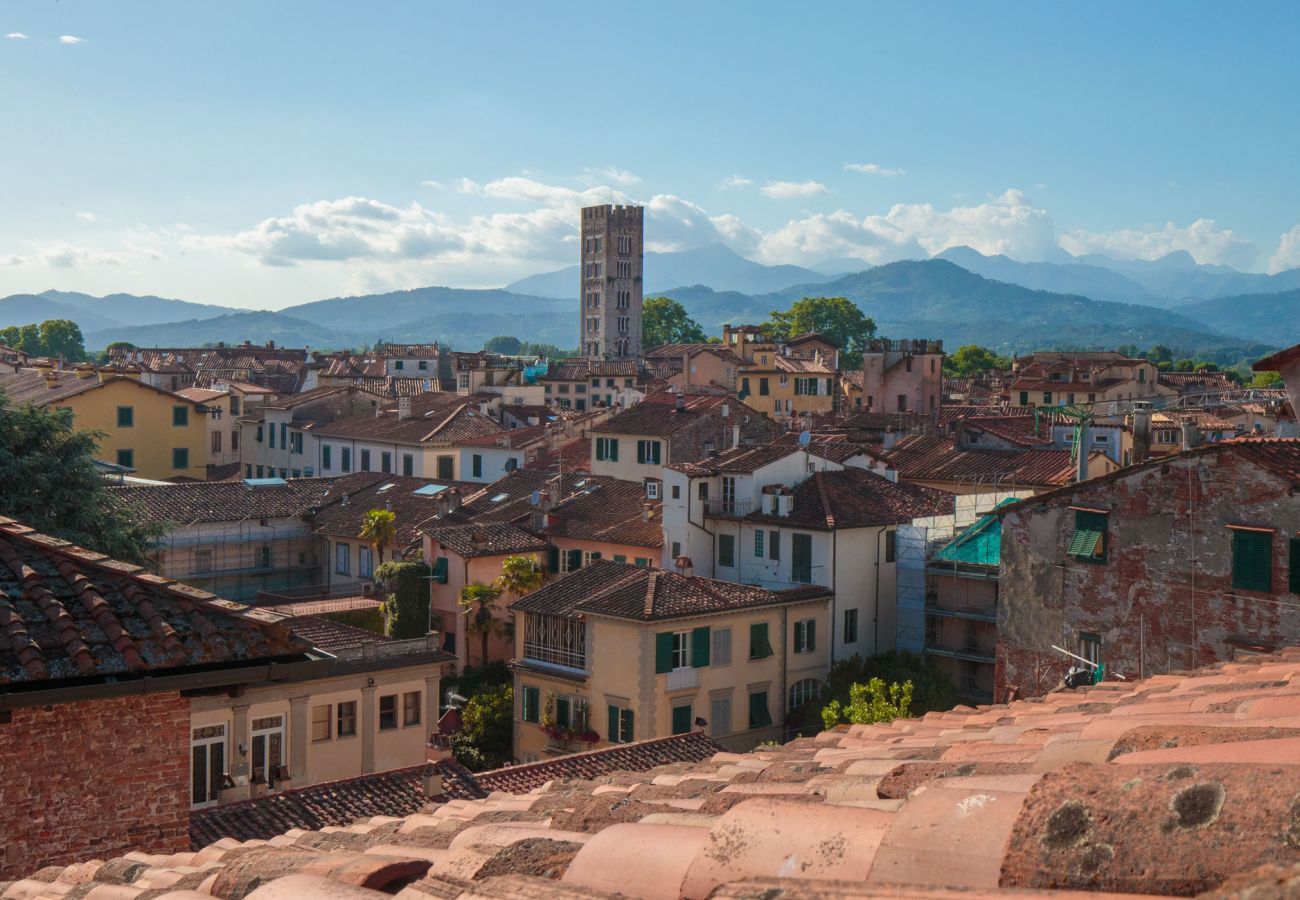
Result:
{"points": [[49, 480], [486, 731], [1161, 355], [407, 607], [379, 529], [62, 338], [836, 317], [870, 703], [1267, 380], [971, 359], [505, 344], [664, 321], [520, 575], [479, 601]]}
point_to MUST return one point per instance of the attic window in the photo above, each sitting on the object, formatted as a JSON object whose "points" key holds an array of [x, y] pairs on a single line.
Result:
{"points": [[386, 487], [1089, 539], [429, 490], [499, 497]]}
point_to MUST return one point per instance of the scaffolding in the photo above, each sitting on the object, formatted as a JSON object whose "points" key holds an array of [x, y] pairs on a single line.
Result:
{"points": [[240, 559]]}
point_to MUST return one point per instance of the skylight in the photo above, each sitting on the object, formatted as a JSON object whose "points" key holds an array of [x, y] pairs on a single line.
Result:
{"points": [[429, 490], [264, 482], [386, 487], [499, 497]]}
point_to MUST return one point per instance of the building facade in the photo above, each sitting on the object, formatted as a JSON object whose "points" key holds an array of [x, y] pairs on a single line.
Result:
{"points": [[613, 240]]}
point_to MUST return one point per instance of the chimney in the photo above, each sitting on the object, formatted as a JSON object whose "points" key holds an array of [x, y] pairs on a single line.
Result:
{"points": [[43, 366], [735, 435], [647, 511], [431, 782], [553, 489], [679, 404], [684, 565], [1141, 434], [51, 378], [403, 408], [85, 371], [132, 372], [368, 649], [890, 439], [1191, 436]]}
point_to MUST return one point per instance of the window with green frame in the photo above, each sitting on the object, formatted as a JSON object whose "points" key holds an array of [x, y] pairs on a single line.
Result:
{"points": [[126, 417], [180, 416], [1089, 539], [759, 714], [531, 711], [180, 458], [620, 726], [759, 645], [681, 719], [1252, 559]]}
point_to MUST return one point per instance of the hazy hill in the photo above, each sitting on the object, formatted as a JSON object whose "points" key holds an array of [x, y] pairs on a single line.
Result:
{"points": [[366, 313], [1180, 277], [132, 309], [1062, 278], [258, 327], [715, 265], [24, 309], [1258, 317]]}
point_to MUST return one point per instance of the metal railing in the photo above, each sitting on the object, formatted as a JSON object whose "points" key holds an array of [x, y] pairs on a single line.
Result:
{"points": [[550, 655], [730, 506]]}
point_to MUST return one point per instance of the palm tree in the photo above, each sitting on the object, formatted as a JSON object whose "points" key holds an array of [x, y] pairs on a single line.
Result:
{"points": [[379, 529], [478, 601], [520, 575]]}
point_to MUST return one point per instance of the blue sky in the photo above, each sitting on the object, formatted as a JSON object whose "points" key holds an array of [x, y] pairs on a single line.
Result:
{"points": [[261, 154]]}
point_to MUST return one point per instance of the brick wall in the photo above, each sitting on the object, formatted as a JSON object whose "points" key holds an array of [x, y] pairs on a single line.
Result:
{"points": [[93, 780], [689, 443], [1163, 600]]}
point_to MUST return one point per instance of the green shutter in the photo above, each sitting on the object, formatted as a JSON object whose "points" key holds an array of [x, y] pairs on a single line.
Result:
{"points": [[656, 455], [700, 647], [1295, 566], [1089, 538], [681, 719], [1252, 560], [440, 570], [532, 697], [563, 717], [663, 652], [613, 449], [595, 555], [759, 715], [612, 730], [575, 560], [600, 449], [640, 451], [553, 559], [627, 735], [759, 646], [810, 639]]}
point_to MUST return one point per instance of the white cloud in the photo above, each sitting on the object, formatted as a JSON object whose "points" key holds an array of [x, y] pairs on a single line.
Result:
{"points": [[70, 39], [873, 169], [1007, 224], [1203, 239], [611, 174], [436, 185], [1288, 252], [68, 256], [16, 36], [789, 190], [85, 216], [733, 183]]}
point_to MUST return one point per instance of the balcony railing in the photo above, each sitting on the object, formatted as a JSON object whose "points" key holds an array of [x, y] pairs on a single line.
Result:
{"points": [[554, 656], [683, 679], [730, 506]]}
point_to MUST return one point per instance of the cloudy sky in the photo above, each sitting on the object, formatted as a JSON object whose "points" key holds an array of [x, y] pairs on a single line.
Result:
{"points": [[261, 154]]}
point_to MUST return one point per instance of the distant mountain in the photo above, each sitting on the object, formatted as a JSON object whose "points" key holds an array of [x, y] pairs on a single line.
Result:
{"points": [[1270, 317], [132, 309], [1062, 278], [938, 299], [373, 313], [1179, 277], [258, 327], [716, 265], [25, 309]]}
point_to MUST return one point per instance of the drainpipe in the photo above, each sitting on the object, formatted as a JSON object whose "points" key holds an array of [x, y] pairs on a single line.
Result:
{"points": [[875, 608], [835, 564], [785, 662]]}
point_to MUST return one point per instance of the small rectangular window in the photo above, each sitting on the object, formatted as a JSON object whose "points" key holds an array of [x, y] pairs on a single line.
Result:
{"points": [[180, 458], [891, 546], [126, 417], [342, 558], [682, 719], [677, 492], [726, 551], [759, 645], [320, 723], [721, 646], [805, 636], [760, 716], [1089, 539], [410, 708], [325, 461], [850, 626], [180, 416], [476, 465], [531, 704], [408, 464], [758, 543], [126, 458], [345, 459], [365, 460], [388, 712], [347, 719]]}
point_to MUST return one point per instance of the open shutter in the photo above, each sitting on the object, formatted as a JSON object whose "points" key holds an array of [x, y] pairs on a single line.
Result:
{"points": [[440, 570], [1295, 566], [532, 696], [612, 730], [613, 449], [812, 636], [663, 652], [627, 735], [759, 647], [700, 648], [553, 559], [640, 451]]}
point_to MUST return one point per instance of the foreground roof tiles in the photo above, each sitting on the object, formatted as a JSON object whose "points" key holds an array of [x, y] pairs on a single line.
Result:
{"points": [[1182, 784]]}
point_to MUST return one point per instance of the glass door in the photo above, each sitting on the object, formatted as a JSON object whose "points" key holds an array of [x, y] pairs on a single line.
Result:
{"points": [[267, 747], [207, 764]]}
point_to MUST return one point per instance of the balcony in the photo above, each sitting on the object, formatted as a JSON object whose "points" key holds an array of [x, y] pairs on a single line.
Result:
{"points": [[548, 655], [683, 679], [731, 507]]}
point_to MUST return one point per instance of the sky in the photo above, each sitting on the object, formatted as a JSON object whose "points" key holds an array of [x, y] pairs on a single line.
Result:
{"points": [[259, 154]]}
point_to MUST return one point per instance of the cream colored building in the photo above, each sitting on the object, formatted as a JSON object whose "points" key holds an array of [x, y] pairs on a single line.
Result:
{"points": [[372, 710], [616, 653]]}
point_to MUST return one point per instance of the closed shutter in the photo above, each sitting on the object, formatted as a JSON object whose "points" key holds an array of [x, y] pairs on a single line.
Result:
{"points": [[663, 652], [532, 698], [1295, 566], [640, 451], [613, 449], [700, 648], [759, 646], [1252, 560], [810, 636], [440, 570], [627, 734], [759, 715], [681, 719], [575, 560], [553, 559], [612, 727]]}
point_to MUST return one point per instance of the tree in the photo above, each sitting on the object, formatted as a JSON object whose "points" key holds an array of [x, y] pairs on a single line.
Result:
{"points": [[62, 338], [870, 703], [486, 730], [664, 321], [932, 689], [504, 344], [1161, 355], [379, 529], [520, 575], [49, 481], [406, 609], [1267, 380], [971, 359], [479, 603], [836, 317]]}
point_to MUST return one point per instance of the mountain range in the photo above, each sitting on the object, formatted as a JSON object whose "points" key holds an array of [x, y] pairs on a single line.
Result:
{"points": [[961, 296]]}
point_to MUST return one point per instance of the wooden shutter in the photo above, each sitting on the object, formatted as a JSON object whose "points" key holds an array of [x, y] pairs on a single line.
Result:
{"points": [[612, 730], [626, 734], [575, 560], [613, 449], [700, 648], [1295, 566], [440, 570], [663, 652], [759, 715], [532, 696], [553, 559], [640, 452], [759, 646], [681, 719], [810, 636], [1252, 560]]}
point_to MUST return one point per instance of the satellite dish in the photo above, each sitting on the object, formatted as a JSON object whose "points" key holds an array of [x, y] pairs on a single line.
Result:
{"points": [[805, 438], [535, 498]]}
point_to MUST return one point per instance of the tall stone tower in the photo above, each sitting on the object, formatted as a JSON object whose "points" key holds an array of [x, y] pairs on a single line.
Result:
{"points": [[613, 239]]}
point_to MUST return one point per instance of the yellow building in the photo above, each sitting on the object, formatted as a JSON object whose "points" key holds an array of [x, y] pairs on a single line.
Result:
{"points": [[155, 432], [615, 653], [784, 378]]}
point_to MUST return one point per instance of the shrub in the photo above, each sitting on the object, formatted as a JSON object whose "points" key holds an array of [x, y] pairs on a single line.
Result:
{"points": [[870, 703]]}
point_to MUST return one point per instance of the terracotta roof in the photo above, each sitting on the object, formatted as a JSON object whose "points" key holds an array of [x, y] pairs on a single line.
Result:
{"points": [[1276, 361], [469, 540], [410, 351], [677, 351], [1021, 431], [200, 395], [332, 636], [856, 498], [936, 458], [400, 494], [232, 501], [67, 612], [578, 369], [437, 418], [323, 607], [399, 792], [29, 387], [658, 414], [800, 365], [614, 511], [634, 592], [739, 459], [510, 438]]}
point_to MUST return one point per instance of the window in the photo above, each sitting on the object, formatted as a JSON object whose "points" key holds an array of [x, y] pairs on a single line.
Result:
{"points": [[802, 691], [759, 646], [1295, 566], [763, 388], [1090, 647], [345, 459], [180, 416], [721, 646], [805, 635], [202, 560], [398, 365], [681, 649], [260, 471], [346, 720], [759, 715], [651, 489], [180, 458], [284, 434], [342, 559], [607, 449], [388, 712], [476, 465], [801, 558], [774, 545], [410, 708], [758, 543], [1089, 539], [531, 709], [126, 458], [320, 723], [365, 460], [1047, 398], [902, 403], [620, 730], [207, 763], [891, 546], [234, 440], [234, 405], [728, 494], [1024, 398], [850, 626], [295, 442], [682, 719], [265, 555], [648, 452], [1252, 560], [570, 560], [386, 462], [446, 467], [126, 417], [677, 492], [703, 491], [642, 562], [726, 551], [267, 747], [423, 365], [325, 461], [365, 562], [720, 716]]}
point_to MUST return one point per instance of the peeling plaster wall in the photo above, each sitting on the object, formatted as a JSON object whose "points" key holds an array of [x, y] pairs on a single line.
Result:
{"points": [[1163, 600]]}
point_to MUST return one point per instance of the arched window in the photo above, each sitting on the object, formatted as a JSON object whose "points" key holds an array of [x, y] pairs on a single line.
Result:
{"points": [[803, 691]]}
